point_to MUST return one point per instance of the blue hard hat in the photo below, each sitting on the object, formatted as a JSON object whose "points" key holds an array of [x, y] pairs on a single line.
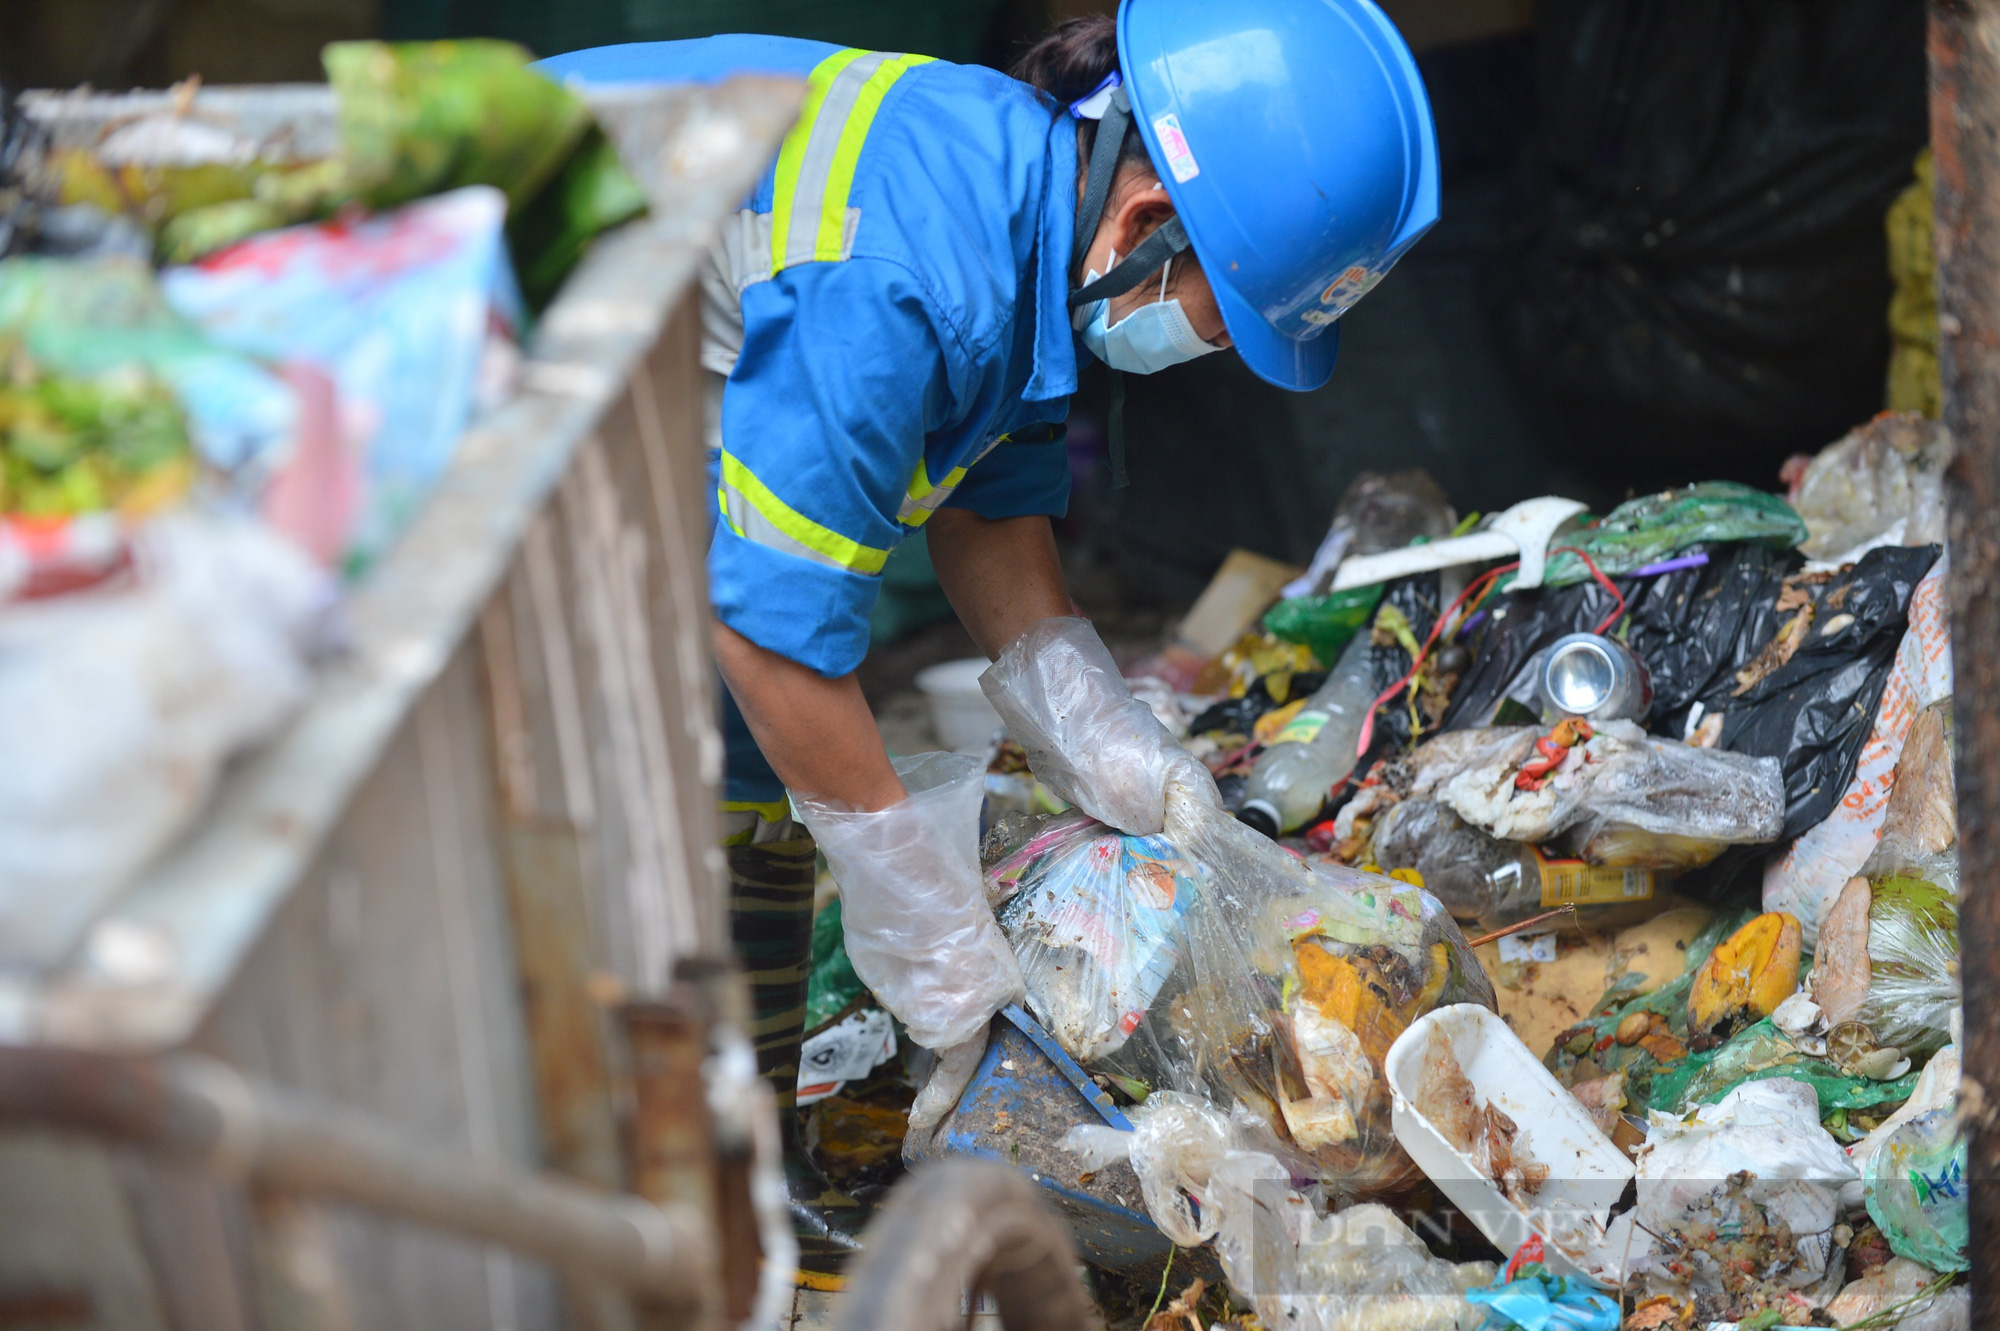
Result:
{"points": [[1295, 140]]}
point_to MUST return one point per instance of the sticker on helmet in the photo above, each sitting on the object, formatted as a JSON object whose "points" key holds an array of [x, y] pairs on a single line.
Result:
{"points": [[1350, 286], [1180, 158]]}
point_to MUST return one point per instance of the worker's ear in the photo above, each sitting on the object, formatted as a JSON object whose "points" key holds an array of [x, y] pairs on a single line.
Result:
{"points": [[1137, 211]]}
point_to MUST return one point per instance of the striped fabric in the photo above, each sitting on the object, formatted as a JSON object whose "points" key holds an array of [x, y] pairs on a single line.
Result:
{"points": [[770, 922]]}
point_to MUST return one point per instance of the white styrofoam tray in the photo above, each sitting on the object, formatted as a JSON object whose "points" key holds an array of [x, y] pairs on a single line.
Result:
{"points": [[1587, 1172]]}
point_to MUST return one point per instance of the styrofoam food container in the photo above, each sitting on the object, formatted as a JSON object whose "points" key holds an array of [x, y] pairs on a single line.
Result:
{"points": [[960, 714], [1587, 1172]]}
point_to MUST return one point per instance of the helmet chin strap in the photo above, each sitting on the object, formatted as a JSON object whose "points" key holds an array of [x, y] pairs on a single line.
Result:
{"points": [[1152, 253]]}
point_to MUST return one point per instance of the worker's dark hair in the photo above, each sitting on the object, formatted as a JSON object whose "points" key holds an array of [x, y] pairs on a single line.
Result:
{"points": [[1070, 62]]}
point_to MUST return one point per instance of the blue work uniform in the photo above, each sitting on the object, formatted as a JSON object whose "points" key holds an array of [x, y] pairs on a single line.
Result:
{"points": [[901, 338]]}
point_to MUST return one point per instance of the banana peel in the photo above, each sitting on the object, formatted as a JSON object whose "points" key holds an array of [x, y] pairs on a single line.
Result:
{"points": [[1748, 975]]}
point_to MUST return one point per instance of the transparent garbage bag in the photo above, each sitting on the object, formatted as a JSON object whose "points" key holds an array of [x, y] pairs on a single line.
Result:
{"points": [[1883, 484], [1095, 918], [1299, 978], [1175, 1142], [1612, 786], [1087, 738], [1916, 1184], [1888, 959], [918, 928], [1355, 1269]]}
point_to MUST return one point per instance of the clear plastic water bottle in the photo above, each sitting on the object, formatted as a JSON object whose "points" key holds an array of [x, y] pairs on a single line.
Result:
{"points": [[1296, 771]]}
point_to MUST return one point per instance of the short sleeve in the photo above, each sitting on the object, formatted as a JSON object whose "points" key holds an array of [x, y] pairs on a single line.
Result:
{"points": [[1019, 478], [843, 371]]}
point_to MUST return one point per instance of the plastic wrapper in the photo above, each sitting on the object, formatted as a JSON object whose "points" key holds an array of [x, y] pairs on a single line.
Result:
{"points": [[1087, 738], [1916, 1184], [1354, 1269], [1907, 1288], [1654, 527], [1175, 1142], [1095, 919], [1888, 959], [122, 704], [1299, 979], [917, 926], [1883, 484], [1325, 623], [1762, 1052], [407, 312], [1771, 1131], [1616, 778]]}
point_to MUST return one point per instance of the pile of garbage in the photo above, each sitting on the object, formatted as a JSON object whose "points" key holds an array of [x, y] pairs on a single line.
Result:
{"points": [[234, 361], [1264, 1033]]}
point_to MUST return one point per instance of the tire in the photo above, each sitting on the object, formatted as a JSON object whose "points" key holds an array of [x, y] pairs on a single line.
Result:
{"points": [[959, 1226]]}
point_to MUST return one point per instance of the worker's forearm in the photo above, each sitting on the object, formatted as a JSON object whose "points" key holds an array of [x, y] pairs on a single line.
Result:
{"points": [[1001, 576], [818, 734]]}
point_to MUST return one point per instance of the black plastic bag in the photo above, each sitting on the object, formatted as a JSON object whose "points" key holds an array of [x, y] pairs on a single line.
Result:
{"points": [[1417, 599], [1698, 277], [1695, 629]]}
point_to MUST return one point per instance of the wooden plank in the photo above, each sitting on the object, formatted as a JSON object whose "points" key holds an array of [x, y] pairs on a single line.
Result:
{"points": [[202, 907], [1965, 142]]}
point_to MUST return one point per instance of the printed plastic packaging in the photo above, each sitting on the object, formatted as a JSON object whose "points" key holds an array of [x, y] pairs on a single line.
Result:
{"points": [[1916, 1185], [917, 925], [1087, 738], [1095, 918]]}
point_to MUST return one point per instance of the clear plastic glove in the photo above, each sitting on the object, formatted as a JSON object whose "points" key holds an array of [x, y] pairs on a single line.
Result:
{"points": [[919, 931], [1088, 739]]}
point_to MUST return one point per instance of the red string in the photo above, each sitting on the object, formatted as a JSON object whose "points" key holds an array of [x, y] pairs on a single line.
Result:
{"points": [[1602, 581], [1481, 585]]}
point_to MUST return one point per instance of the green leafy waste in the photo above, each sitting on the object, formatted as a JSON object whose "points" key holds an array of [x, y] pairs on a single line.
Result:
{"points": [[421, 118]]}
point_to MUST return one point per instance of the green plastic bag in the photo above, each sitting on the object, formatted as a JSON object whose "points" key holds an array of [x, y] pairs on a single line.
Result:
{"points": [[1652, 528], [832, 986], [1324, 623], [1759, 1052]]}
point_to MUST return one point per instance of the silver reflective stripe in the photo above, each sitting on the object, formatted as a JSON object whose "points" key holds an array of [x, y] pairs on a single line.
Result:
{"points": [[754, 526], [809, 196]]}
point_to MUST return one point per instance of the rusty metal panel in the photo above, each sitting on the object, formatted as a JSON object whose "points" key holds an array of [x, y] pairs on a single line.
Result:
{"points": [[1965, 143]]}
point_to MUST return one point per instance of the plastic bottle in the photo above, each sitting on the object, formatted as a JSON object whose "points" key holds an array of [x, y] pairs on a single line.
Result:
{"points": [[1498, 883], [1291, 780]]}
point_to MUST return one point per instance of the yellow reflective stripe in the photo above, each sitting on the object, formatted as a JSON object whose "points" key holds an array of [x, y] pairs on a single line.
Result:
{"points": [[840, 177], [769, 810], [756, 514], [924, 498], [792, 155]]}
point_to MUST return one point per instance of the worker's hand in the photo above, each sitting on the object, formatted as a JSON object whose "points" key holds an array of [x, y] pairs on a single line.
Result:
{"points": [[918, 928], [1088, 739]]}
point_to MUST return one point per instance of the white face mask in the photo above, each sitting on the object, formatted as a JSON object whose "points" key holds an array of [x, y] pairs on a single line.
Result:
{"points": [[1149, 339]]}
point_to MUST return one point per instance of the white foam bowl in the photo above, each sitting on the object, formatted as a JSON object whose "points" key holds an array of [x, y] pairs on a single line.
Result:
{"points": [[1587, 1172], [964, 720]]}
